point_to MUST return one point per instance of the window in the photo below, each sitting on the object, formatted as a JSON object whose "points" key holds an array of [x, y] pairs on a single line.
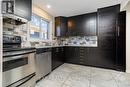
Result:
{"points": [[39, 28]]}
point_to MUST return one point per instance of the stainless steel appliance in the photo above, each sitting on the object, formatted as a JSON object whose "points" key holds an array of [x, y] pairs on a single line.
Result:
{"points": [[43, 62], [18, 63]]}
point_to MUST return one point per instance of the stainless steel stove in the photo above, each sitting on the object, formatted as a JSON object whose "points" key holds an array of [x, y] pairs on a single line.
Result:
{"points": [[18, 63]]}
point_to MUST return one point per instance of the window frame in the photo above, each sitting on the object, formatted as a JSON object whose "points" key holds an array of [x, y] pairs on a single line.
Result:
{"points": [[48, 31]]}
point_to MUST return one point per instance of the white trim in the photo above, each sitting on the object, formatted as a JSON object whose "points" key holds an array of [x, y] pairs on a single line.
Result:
{"points": [[1, 45], [128, 71], [123, 4], [127, 38]]}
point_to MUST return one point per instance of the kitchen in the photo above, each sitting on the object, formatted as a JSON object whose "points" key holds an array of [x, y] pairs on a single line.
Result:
{"points": [[65, 44]]}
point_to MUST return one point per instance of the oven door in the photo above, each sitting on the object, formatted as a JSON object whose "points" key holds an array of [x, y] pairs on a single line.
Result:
{"points": [[15, 62], [17, 67], [28, 81]]}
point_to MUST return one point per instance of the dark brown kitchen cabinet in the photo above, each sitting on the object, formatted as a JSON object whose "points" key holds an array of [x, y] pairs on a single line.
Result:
{"points": [[23, 8], [81, 25], [107, 20], [76, 55], [89, 24], [60, 26], [71, 55], [101, 58], [121, 42], [57, 57], [107, 42], [90, 56], [107, 33]]}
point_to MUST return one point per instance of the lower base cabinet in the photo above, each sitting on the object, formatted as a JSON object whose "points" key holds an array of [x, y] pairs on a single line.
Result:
{"points": [[76, 55], [101, 58], [57, 57], [90, 56]]}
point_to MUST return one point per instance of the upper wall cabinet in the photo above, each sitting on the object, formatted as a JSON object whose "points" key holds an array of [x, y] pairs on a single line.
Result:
{"points": [[81, 25], [107, 20], [60, 26], [23, 8]]}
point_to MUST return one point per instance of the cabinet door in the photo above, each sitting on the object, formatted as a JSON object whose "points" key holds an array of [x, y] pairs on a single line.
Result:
{"points": [[121, 42], [71, 55], [107, 20], [54, 58], [85, 24], [57, 57], [63, 26], [57, 27], [107, 25], [68, 55], [88, 24], [73, 28], [60, 26], [23, 8], [101, 58], [107, 42], [61, 55], [92, 59]]}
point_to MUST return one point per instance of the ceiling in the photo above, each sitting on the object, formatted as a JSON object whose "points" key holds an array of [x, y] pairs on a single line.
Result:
{"points": [[73, 7]]}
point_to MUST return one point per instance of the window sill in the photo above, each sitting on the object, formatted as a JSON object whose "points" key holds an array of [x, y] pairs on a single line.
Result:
{"points": [[39, 40]]}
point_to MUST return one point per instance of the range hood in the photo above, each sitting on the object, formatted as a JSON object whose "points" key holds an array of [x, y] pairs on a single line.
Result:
{"points": [[12, 19]]}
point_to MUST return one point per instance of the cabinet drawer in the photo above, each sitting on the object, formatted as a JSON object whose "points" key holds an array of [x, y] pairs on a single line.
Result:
{"points": [[81, 59], [81, 62]]}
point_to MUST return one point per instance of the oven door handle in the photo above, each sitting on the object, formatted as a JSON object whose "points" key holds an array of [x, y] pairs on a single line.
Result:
{"points": [[16, 54], [15, 57]]}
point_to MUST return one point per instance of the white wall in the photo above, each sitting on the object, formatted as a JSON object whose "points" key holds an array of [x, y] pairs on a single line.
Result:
{"points": [[128, 42], [127, 8], [0, 46], [124, 3]]}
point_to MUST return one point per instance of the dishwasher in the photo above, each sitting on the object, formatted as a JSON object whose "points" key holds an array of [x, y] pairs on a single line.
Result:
{"points": [[43, 62]]}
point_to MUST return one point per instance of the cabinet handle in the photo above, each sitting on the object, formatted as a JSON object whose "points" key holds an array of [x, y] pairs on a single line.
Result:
{"points": [[81, 59], [81, 50], [81, 55], [81, 62], [57, 50], [118, 31]]}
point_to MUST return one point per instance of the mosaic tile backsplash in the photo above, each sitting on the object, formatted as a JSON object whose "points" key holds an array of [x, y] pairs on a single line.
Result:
{"points": [[90, 41]]}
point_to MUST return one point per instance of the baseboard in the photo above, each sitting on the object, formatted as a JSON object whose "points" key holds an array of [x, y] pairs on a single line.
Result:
{"points": [[128, 71]]}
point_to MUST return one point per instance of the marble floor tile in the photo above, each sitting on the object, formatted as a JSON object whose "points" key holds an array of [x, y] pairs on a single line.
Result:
{"points": [[71, 75], [78, 82], [66, 68], [103, 83], [102, 75], [64, 85], [59, 76], [122, 79], [48, 83]]}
